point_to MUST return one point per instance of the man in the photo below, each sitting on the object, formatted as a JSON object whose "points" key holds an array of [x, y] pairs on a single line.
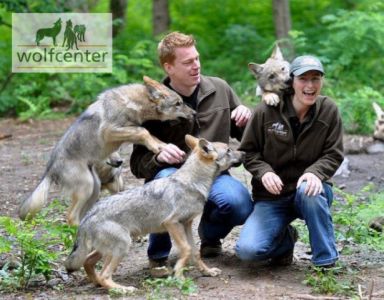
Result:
{"points": [[219, 116], [292, 150]]}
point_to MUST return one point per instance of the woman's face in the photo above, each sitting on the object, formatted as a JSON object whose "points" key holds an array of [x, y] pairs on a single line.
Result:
{"points": [[307, 87]]}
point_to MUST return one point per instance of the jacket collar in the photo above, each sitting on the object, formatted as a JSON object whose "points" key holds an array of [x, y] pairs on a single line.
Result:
{"points": [[284, 106], [206, 87]]}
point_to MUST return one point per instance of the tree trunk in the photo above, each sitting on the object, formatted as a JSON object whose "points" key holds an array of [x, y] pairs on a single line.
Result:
{"points": [[118, 9], [160, 15], [283, 24]]}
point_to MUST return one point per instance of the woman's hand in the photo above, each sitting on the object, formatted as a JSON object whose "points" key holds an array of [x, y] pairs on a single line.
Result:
{"points": [[314, 185], [272, 183]]}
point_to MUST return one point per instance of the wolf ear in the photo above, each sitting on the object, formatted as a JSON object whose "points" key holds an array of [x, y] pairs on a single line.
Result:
{"points": [[276, 53], [255, 69], [206, 146], [155, 89], [191, 141]]}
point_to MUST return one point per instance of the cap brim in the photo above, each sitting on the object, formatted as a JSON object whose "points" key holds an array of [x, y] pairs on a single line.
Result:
{"points": [[302, 70]]}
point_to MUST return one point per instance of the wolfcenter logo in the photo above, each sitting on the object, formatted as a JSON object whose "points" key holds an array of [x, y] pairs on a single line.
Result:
{"points": [[278, 129], [63, 42]]}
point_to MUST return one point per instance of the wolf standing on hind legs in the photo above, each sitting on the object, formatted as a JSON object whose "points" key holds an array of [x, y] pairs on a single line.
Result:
{"points": [[219, 116], [167, 204], [112, 120]]}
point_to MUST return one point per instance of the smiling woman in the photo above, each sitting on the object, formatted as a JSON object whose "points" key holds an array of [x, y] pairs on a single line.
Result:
{"points": [[292, 151], [307, 72]]}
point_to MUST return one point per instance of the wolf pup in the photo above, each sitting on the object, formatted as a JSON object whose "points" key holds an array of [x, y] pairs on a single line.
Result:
{"points": [[166, 204], [113, 119], [272, 77]]}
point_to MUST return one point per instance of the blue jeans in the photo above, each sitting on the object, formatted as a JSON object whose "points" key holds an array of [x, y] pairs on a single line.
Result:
{"points": [[264, 234], [229, 204]]}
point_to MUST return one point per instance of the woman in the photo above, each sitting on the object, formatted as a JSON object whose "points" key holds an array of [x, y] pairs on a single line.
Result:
{"points": [[292, 150]]}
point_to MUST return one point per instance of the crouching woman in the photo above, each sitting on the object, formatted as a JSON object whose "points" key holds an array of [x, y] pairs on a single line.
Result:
{"points": [[292, 150]]}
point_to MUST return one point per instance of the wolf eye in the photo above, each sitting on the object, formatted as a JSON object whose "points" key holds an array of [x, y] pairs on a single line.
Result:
{"points": [[271, 76]]}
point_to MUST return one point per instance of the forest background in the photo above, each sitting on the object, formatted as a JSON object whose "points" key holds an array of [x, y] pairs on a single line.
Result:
{"points": [[347, 35]]}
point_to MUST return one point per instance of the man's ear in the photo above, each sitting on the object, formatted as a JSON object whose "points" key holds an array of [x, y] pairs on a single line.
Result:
{"points": [[255, 69], [155, 89], [167, 68]]}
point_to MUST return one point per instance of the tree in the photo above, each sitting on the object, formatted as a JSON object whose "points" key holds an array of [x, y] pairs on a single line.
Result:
{"points": [[160, 16], [118, 9], [283, 24]]}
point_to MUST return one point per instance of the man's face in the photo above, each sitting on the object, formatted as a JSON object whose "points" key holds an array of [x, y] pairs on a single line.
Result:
{"points": [[185, 69]]}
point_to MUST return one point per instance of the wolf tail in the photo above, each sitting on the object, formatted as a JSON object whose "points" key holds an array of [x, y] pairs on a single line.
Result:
{"points": [[79, 253], [32, 205]]}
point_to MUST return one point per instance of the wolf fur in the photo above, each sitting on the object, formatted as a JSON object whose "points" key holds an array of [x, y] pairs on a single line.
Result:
{"points": [[109, 172], [272, 77], [166, 204], [113, 119]]}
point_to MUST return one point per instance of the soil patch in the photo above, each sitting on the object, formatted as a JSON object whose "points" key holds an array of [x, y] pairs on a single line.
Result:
{"points": [[23, 157]]}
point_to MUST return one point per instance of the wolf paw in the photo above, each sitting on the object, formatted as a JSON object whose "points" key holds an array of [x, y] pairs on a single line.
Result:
{"points": [[270, 99], [129, 289], [212, 272], [123, 290]]}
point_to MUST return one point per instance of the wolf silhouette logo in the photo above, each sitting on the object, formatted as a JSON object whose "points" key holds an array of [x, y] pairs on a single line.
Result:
{"points": [[49, 32]]}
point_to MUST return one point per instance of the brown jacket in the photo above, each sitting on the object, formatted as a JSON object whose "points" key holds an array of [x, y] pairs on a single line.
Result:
{"points": [[215, 101], [270, 146]]}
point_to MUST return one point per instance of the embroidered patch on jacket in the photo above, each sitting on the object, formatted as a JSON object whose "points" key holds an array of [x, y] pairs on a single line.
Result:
{"points": [[278, 128]]}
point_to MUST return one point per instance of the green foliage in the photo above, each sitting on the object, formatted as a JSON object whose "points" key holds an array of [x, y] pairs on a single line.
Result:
{"points": [[161, 288], [356, 108], [333, 281], [33, 245], [353, 34], [346, 35], [352, 216]]}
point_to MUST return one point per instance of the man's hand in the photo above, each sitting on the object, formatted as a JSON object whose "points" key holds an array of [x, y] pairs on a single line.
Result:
{"points": [[171, 154], [272, 183], [314, 185], [241, 115]]}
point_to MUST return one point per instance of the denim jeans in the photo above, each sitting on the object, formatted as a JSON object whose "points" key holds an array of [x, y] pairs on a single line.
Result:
{"points": [[264, 234], [229, 204]]}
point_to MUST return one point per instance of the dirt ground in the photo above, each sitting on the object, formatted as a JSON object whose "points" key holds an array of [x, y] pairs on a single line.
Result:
{"points": [[22, 162]]}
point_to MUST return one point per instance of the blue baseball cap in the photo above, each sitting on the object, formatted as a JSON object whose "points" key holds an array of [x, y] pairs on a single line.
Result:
{"points": [[305, 63]]}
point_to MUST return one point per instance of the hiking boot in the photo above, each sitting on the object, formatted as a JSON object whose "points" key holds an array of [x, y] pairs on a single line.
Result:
{"points": [[286, 259], [158, 268], [210, 249]]}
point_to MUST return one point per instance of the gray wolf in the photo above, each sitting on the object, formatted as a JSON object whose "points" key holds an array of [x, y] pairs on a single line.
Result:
{"points": [[50, 32], [109, 172], [113, 119], [378, 134], [79, 30], [166, 204], [272, 77], [69, 36]]}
